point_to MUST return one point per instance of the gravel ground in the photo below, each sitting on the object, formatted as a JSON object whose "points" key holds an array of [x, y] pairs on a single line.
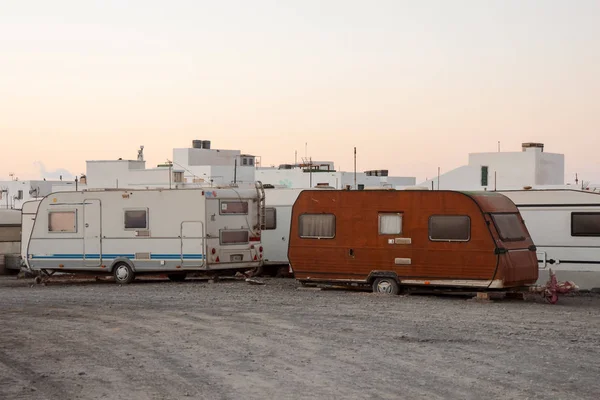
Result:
{"points": [[231, 340]]}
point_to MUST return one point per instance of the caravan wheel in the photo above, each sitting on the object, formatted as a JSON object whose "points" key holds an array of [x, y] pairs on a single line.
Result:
{"points": [[386, 286], [123, 273]]}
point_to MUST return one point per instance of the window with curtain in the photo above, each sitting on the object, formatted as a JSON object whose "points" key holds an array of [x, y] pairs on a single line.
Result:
{"points": [[390, 223], [321, 226]]}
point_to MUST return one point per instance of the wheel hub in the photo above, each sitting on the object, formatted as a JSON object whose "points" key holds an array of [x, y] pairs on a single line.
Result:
{"points": [[384, 287], [122, 273]]}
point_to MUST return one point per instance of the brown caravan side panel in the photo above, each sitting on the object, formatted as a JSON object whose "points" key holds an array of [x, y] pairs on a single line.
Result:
{"points": [[358, 248]]}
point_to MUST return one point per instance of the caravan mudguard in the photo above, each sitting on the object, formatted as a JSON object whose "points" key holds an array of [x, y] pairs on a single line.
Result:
{"points": [[122, 260], [381, 274]]}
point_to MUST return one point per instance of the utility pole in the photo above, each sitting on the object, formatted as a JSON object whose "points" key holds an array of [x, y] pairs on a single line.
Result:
{"points": [[355, 187]]}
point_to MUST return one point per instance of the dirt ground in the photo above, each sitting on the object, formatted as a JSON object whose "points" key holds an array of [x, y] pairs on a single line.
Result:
{"points": [[231, 340]]}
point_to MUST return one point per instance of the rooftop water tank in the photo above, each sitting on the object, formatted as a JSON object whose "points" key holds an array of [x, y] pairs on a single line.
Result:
{"points": [[206, 144], [197, 144]]}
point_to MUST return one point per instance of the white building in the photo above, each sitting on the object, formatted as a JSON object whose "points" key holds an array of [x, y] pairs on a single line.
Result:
{"points": [[505, 170], [201, 164], [324, 174], [14, 193]]}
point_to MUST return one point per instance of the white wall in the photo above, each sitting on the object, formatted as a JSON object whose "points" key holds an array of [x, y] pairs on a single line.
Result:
{"points": [[127, 173], [507, 170], [29, 190], [296, 178]]}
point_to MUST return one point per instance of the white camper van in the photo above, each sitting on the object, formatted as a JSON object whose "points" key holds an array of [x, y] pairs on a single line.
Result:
{"points": [[565, 227], [131, 232]]}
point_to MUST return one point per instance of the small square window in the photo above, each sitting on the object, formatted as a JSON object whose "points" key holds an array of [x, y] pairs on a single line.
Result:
{"points": [[390, 224], [136, 219], [62, 221], [244, 161]]}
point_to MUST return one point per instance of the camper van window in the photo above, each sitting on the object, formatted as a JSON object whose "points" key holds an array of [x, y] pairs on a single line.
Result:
{"points": [[390, 224], [62, 221], [234, 237], [509, 226], [136, 219], [450, 228], [317, 226], [271, 217], [585, 224], [234, 207]]}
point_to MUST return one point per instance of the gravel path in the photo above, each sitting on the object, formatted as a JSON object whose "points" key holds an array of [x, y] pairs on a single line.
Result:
{"points": [[231, 340]]}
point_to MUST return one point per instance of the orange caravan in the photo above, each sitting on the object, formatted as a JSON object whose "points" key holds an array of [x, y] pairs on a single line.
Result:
{"points": [[389, 239]]}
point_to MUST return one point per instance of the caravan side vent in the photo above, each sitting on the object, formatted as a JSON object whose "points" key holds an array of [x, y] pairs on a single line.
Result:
{"points": [[142, 256]]}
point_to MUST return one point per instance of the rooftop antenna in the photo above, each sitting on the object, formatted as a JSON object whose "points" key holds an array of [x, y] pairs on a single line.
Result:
{"points": [[498, 146], [576, 178], [140, 156]]}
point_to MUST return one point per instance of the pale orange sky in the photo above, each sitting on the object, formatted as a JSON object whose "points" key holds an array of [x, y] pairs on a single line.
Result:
{"points": [[413, 85]]}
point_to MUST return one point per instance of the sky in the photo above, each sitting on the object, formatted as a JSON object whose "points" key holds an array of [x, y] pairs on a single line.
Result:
{"points": [[414, 85]]}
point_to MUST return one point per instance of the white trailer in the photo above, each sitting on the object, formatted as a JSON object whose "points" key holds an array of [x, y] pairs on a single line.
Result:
{"points": [[565, 227], [275, 237], [132, 232], [10, 239]]}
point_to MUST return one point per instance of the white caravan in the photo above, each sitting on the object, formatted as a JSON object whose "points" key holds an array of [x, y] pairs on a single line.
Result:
{"points": [[131, 232], [565, 227], [275, 237]]}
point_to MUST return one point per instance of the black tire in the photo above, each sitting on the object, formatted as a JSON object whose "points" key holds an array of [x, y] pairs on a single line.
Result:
{"points": [[386, 286], [123, 273], [177, 277]]}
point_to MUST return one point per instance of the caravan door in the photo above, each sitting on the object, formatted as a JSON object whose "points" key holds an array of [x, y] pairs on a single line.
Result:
{"points": [[192, 244], [92, 231]]}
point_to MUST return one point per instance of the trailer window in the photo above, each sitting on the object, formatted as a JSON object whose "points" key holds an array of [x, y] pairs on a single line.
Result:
{"points": [[62, 221], [136, 219], [317, 226], [509, 226], [450, 228], [390, 224], [585, 224], [234, 207], [234, 237], [271, 217]]}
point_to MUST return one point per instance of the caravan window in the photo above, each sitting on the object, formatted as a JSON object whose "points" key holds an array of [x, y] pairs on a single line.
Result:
{"points": [[390, 224], [234, 207], [136, 219], [62, 221], [585, 224], [271, 217], [234, 237], [510, 227], [450, 228], [317, 226]]}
